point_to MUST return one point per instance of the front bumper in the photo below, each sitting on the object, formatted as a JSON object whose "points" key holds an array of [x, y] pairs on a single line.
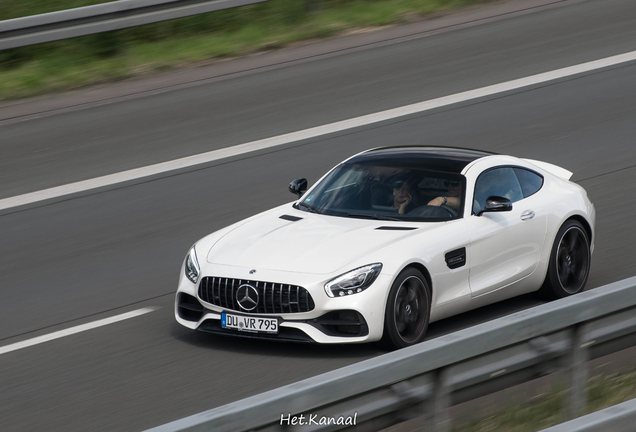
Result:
{"points": [[351, 319]]}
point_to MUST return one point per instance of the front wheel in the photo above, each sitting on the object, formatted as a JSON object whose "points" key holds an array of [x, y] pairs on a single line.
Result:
{"points": [[407, 311], [569, 262]]}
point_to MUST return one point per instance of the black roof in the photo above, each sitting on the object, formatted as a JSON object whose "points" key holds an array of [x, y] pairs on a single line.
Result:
{"points": [[444, 159]]}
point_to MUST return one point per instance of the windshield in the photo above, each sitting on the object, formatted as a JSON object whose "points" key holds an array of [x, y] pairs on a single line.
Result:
{"points": [[386, 192]]}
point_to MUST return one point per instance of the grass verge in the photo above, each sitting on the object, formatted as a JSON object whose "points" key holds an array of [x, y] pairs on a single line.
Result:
{"points": [[189, 41], [548, 409]]}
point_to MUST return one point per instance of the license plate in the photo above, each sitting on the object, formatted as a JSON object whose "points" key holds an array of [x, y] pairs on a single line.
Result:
{"points": [[249, 324]]}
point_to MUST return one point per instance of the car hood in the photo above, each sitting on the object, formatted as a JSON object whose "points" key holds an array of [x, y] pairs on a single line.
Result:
{"points": [[312, 244]]}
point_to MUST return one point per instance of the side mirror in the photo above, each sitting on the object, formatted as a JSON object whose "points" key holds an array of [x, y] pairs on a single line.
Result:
{"points": [[298, 187], [496, 204]]}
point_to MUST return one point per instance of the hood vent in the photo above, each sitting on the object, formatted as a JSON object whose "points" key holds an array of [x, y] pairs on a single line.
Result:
{"points": [[291, 218], [396, 228]]}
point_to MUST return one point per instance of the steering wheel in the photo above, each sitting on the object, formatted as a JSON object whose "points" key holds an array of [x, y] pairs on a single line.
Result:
{"points": [[451, 211]]}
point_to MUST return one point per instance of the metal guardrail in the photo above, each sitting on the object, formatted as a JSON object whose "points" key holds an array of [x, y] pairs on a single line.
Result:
{"points": [[104, 17], [430, 377]]}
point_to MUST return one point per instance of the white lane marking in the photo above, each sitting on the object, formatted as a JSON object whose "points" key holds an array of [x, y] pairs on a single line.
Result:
{"points": [[202, 158], [73, 330]]}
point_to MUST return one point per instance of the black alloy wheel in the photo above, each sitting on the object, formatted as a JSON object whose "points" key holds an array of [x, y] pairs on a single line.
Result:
{"points": [[407, 310], [569, 262]]}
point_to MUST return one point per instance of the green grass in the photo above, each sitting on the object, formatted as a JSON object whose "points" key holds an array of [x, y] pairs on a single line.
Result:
{"points": [[548, 409], [189, 41]]}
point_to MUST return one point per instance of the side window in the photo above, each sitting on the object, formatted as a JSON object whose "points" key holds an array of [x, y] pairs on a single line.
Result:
{"points": [[500, 182], [530, 181]]}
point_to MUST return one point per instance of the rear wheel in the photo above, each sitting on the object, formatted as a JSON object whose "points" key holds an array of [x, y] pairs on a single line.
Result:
{"points": [[569, 262], [407, 310]]}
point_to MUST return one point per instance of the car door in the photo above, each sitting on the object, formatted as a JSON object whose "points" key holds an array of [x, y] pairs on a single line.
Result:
{"points": [[505, 246]]}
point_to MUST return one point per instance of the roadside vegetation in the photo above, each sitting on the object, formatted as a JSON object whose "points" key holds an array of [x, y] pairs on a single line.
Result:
{"points": [[548, 409], [188, 41]]}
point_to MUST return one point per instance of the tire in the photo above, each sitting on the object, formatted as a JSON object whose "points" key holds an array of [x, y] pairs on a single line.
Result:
{"points": [[407, 310], [569, 264]]}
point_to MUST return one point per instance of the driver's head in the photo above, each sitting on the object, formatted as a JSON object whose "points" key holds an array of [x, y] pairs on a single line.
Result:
{"points": [[454, 187], [403, 193]]}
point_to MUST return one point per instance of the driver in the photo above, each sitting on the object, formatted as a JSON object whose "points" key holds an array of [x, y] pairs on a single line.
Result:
{"points": [[404, 197], [452, 198]]}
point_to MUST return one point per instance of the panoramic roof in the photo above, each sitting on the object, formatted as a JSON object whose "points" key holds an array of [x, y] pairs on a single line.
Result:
{"points": [[445, 159]]}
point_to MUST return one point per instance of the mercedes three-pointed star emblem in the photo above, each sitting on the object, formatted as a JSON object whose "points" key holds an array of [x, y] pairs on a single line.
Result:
{"points": [[247, 297]]}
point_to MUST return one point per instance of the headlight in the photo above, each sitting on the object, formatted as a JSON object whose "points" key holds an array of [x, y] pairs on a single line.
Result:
{"points": [[354, 281], [192, 269]]}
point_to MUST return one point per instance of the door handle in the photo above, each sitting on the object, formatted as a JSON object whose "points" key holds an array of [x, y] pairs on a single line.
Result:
{"points": [[527, 215]]}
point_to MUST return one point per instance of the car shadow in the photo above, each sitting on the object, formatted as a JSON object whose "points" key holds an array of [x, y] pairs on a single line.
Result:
{"points": [[482, 314]]}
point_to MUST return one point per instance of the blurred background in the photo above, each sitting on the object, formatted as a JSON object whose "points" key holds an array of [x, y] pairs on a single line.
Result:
{"points": [[190, 41]]}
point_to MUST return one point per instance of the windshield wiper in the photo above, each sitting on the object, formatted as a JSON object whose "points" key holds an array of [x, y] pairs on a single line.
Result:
{"points": [[372, 216], [310, 209]]}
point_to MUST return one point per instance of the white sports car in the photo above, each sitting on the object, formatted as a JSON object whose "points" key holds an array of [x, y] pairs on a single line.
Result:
{"points": [[388, 241]]}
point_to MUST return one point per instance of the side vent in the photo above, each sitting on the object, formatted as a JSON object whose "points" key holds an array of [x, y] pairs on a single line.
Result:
{"points": [[456, 258], [291, 218]]}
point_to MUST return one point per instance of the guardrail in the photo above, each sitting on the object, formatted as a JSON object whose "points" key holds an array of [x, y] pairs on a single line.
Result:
{"points": [[432, 376], [104, 17]]}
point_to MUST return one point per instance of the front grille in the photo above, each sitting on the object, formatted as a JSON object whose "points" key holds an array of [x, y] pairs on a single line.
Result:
{"points": [[274, 298]]}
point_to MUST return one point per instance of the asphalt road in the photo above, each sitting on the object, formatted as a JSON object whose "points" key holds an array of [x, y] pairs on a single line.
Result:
{"points": [[113, 251]]}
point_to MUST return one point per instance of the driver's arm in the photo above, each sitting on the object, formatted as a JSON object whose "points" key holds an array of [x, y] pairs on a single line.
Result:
{"points": [[453, 202]]}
